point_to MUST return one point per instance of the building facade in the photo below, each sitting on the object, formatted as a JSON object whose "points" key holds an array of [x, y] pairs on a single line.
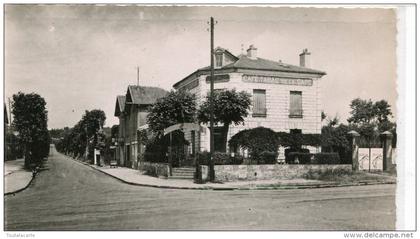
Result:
{"points": [[284, 97], [131, 110]]}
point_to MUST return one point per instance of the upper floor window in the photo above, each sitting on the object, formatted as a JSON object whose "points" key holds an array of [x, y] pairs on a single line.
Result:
{"points": [[295, 110], [219, 60], [258, 104]]}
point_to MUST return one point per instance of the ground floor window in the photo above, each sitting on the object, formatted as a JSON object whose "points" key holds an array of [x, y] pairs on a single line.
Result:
{"points": [[219, 140]]}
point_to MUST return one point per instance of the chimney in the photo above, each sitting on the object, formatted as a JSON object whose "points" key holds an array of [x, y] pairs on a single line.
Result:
{"points": [[305, 58], [252, 52]]}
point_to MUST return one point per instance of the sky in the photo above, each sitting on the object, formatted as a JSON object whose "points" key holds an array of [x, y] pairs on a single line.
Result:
{"points": [[80, 57]]}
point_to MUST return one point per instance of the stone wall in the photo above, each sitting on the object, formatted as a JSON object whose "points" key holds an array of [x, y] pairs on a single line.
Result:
{"points": [[226, 173], [154, 169]]}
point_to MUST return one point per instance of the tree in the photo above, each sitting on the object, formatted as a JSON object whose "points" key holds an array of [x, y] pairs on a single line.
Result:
{"points": [[230, 107], [334, 139], [366, 111], [176, 107], [115, 131], [86, 135], [30, 121]]}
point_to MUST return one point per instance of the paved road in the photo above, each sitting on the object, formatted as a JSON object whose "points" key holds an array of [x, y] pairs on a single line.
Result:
{"points": [[72, 196]]}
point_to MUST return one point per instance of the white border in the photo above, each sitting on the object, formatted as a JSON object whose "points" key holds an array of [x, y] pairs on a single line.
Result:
{"points": [[406, 114]]}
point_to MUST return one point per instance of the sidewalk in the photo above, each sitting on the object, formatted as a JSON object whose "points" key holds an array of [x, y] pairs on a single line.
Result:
{"points": [[135, 177], [16, 178]]}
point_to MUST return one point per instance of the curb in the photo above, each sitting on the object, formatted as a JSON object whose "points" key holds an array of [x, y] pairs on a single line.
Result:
{"points": [[21, 189], [280, 187]]}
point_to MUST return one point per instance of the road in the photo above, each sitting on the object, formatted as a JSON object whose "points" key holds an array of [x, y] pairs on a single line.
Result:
{"points": [[72, 196]]}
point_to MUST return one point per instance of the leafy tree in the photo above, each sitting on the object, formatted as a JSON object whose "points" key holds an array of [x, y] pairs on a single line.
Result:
{"points": [[30, 121], [86, 133], [370, 119], [114, 131], [176, 107], [230, 107], [366, 112]]}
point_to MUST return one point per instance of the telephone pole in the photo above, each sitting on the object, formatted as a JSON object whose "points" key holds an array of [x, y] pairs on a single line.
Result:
{"points": [[211, 171]]}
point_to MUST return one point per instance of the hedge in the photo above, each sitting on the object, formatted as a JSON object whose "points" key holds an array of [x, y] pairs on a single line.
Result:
{"points": [[326, 158], [318, 158], [296, 140], [219, 159], [291, 158]]}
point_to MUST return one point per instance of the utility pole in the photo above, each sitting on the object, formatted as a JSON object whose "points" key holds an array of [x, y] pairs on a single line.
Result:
{"points": [[138, 75], [211, 171]]}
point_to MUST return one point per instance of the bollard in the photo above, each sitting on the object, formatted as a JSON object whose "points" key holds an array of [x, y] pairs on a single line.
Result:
{"points": [[354, 136]]}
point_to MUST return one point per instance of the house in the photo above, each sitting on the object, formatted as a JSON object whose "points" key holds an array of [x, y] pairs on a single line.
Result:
{"points": [[131, 110], [285, 97]]}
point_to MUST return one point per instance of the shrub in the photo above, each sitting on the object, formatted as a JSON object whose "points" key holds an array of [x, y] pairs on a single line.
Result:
{"points": [[219, 159], [268, 157], [256, 141], [155, 157], [326, 158], [303, 158], [296, 140], [290, 159], [237, 160]]}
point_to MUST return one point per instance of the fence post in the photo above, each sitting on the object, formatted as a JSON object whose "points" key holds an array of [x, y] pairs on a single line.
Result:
{"points": [[387, 151], [354, 142]]}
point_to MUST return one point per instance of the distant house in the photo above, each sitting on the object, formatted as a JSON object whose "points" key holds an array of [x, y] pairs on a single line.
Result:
{"points": [[285, 97], [131, 109]]}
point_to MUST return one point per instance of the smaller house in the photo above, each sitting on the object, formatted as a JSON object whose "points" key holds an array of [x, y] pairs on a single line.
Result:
{"points": [[131, 109]]}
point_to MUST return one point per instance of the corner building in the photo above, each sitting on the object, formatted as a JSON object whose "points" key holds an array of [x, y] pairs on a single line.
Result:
{"points": [[284, 97]]}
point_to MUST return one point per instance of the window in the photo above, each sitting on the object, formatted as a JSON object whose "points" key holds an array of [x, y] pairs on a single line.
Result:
{"points": [[259, 107], [219, 60], [295, 110], [219, 140]]}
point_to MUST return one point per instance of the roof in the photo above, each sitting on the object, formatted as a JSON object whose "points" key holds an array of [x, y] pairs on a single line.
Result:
{"points": [[144, 95], [119, 105], [245, 62]]}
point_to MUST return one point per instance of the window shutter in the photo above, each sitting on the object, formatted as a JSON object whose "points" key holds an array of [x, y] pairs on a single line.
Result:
{"points": [[296, 103], [259, 104]]}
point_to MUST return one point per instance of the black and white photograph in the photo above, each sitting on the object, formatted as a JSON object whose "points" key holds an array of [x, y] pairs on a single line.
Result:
{"points": [[188, 117]]}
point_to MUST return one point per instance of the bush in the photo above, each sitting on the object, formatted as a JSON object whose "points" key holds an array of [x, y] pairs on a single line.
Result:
{"points": [[303, 158], [155, 157], [268, 157], [290, 159], [237, 160], [256, 141], [296, 140], [318, 158], [219, 159], [326, 158]]}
